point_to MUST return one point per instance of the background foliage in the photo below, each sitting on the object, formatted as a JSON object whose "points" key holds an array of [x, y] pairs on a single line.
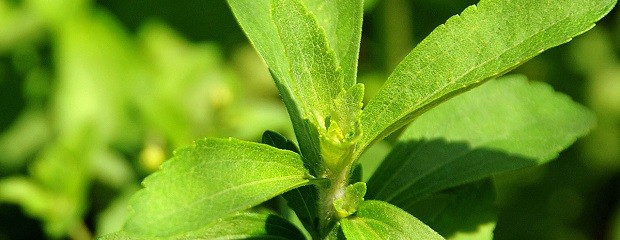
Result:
{"points": [[94, 95]]}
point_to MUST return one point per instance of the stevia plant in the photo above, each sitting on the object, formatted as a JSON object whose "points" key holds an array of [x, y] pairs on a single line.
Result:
{"points": [[436, 181]]}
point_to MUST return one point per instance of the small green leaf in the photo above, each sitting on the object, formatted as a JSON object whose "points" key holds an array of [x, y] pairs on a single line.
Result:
{"points": [[211, 180], [464, 212], [500, 126], [239, 226], [353, 197], [276, 140], [343, 128], [484, 42], [380, 220]]}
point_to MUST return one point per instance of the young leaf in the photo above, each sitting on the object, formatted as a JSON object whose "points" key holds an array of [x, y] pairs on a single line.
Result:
{"points": [[350, 201], [500, 126], [464, 212], [380, 220], [342, 22], [484, 42], [211, 180], [343, 129], [244, 225]]}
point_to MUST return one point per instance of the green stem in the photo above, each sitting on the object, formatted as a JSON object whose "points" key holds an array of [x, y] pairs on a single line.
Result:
{"points": [[327, 214]]}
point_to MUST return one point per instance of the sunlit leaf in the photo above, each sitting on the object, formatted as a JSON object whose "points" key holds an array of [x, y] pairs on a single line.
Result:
{"points": [[481, 43], [211, 180]]}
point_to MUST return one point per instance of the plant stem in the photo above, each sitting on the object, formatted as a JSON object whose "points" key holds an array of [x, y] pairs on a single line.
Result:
{"points": [[327, 213]]}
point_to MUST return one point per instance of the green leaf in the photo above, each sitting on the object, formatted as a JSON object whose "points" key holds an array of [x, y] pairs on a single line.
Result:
{"points": [[484, 42], [303, 201], [342, 22], [276, 140], [500, 126], [308, 72], [342, 129], [350, 201], [464, 212], [380, 220], [239, 226], [315, 74], [254, 16], [211, 180]]}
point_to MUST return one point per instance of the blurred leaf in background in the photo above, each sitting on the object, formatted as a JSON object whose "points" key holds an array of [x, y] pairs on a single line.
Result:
{"points": [[90, 108]]}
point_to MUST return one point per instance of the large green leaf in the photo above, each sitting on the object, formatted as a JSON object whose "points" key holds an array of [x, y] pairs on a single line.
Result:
{"points": [[239, 226], [380, 220], [464, 212], [500, 126], [484, 42], [209, 181]]}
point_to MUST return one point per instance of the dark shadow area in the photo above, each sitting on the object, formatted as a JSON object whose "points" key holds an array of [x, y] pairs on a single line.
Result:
{"points": [[415, 169], [442, 182], [464, 208], [279, 227], [16, 225]]}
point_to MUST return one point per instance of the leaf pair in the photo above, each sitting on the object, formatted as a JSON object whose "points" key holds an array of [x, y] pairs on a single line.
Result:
{"points": [[314, 64]]}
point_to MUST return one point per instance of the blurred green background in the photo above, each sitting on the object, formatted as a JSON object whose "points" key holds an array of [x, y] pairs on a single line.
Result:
{"points": [[94, 95]]}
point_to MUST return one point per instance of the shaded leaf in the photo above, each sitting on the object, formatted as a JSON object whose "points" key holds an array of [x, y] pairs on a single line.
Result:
{"points": [[481, 43], [501, 126], [464, 212], [380, 220], [276, 140], [211, 180], [303, 200]]}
